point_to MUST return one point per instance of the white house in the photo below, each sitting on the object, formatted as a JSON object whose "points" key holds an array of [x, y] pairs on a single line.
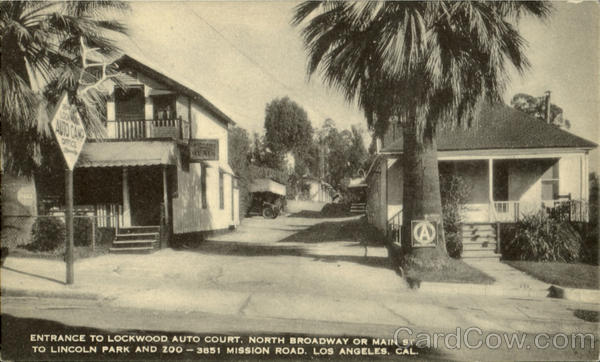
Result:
{"points": [[515, 164], [163, 165]]}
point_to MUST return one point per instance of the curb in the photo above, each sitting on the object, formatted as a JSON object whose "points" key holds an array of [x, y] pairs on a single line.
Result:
{"points": [[482, 290], [15, 292], [574, 294]]}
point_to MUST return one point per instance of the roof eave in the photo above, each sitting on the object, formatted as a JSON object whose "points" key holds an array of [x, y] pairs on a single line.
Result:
{"points": [[173, 83]]}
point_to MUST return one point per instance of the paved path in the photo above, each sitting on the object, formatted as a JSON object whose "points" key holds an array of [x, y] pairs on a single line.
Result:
{"points": [[507, 276]]}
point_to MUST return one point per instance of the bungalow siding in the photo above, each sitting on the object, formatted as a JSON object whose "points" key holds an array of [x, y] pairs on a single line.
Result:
{"points": [[524, 176], [188, 214]]}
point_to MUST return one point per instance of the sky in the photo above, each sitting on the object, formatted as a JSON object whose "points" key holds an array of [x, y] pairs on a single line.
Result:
{"points": [[241, 55]]}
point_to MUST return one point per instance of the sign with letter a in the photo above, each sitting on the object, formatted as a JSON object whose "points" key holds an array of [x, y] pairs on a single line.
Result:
{"points": [[424, 233]]}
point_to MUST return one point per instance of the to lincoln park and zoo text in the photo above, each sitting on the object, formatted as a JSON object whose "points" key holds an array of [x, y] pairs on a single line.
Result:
{"points": [[214, 345]]}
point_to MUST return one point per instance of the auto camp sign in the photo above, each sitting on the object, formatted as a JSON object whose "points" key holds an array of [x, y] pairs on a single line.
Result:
{"points": [[424, 233], [68, 130]]}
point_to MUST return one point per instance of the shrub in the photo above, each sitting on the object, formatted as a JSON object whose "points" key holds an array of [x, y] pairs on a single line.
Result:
{"points": [[538, 237], [454, 192], [47, 233]]}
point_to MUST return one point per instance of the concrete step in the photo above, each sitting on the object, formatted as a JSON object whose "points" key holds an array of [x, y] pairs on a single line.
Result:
{"points": [[133, 250], [471, 230], [139, 229], [481, 253], [479, 246], [480, 237], [135, 241], [135, 236]]}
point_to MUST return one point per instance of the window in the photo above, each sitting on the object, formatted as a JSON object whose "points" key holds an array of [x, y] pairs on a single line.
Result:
{"points": [[129, 103], [203, 187], [550, 180], [221, 191], [164, 107]]}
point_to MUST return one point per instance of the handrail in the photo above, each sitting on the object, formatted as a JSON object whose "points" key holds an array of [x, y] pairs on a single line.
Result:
{"points": [[396, 216], [146, 128]]}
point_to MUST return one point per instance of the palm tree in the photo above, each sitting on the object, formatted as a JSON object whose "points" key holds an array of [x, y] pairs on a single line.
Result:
{"points": [[423, 64], [40, 45]]}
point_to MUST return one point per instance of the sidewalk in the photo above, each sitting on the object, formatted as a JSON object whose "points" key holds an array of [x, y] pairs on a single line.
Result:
{"points": [[278, 287], [510, 283]]}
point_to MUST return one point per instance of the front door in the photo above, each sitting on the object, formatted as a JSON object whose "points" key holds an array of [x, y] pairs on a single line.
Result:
{"points": [[146, 194]]}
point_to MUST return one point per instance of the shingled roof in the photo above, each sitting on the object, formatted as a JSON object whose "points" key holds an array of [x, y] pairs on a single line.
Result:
{"points": [[502, 127]]}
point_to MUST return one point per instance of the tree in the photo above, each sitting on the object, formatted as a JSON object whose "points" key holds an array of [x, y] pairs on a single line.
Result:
{"points": [[262, 155], [344, 153], [422, 64], [287, 127], [537, 107], [41, 45]]}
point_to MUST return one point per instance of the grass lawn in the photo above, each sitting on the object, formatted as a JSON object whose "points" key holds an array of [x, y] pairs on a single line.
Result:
{"points": [[575, 275], [456, 271]]}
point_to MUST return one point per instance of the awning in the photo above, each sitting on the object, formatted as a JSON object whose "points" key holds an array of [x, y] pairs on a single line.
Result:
{"points": [[136, 153]]}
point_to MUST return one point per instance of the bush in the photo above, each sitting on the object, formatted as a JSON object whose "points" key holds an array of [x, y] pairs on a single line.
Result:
{"points": [[47, 234], [538, 237], [454, 192]]}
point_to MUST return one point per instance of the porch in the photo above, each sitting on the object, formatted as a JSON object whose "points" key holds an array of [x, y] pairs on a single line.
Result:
{"points": [[504, 190], [130, 186]]}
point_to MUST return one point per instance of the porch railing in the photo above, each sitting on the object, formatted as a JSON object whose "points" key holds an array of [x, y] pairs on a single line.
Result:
{"points": [[572, 210], [394, 227], [146, 129], [505, 211]]}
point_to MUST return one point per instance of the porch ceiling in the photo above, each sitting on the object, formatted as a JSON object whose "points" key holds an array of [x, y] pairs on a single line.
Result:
{"points": [[117, 154]]}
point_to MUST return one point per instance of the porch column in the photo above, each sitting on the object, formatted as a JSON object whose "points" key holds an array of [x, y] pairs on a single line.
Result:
{"points": [[491, 188], [126, 206], [165, 195]]}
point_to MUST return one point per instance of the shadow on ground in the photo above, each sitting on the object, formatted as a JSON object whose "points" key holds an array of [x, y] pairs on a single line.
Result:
{"points": [[34, 275], [251, 249], [320, 215], [357, 230], [356, 233], [17, 344]]}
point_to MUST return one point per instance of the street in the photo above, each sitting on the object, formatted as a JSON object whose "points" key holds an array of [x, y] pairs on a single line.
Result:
{"points": [[288, 275]]}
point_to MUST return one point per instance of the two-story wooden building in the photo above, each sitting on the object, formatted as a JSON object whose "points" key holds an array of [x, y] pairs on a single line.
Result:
{"points": [[162, 167]]}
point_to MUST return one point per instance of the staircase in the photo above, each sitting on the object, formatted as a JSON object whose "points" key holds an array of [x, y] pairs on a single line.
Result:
{"points": [[358, 208], [479, 241], [136, 239]]}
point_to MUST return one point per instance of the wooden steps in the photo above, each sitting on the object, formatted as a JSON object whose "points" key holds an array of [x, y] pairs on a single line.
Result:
{"points": [[479, 241], [136, 239], [358, 208]]}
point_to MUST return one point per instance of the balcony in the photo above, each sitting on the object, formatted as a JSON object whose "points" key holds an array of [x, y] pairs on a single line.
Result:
{"points": [[174, 128]]}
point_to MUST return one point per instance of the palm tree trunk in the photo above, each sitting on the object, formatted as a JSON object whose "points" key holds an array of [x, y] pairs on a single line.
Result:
{"points": [[421, 195]]}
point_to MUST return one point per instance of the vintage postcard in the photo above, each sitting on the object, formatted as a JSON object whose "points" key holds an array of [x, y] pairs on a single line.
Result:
{"points": [[249, 180]]}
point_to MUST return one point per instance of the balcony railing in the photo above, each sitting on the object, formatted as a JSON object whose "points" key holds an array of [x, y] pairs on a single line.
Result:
{"points": [[175, 128]]}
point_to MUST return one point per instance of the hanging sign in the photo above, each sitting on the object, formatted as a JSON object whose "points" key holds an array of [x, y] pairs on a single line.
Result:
{"points": [[204, 150], [68, 130], [424, 233]]}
